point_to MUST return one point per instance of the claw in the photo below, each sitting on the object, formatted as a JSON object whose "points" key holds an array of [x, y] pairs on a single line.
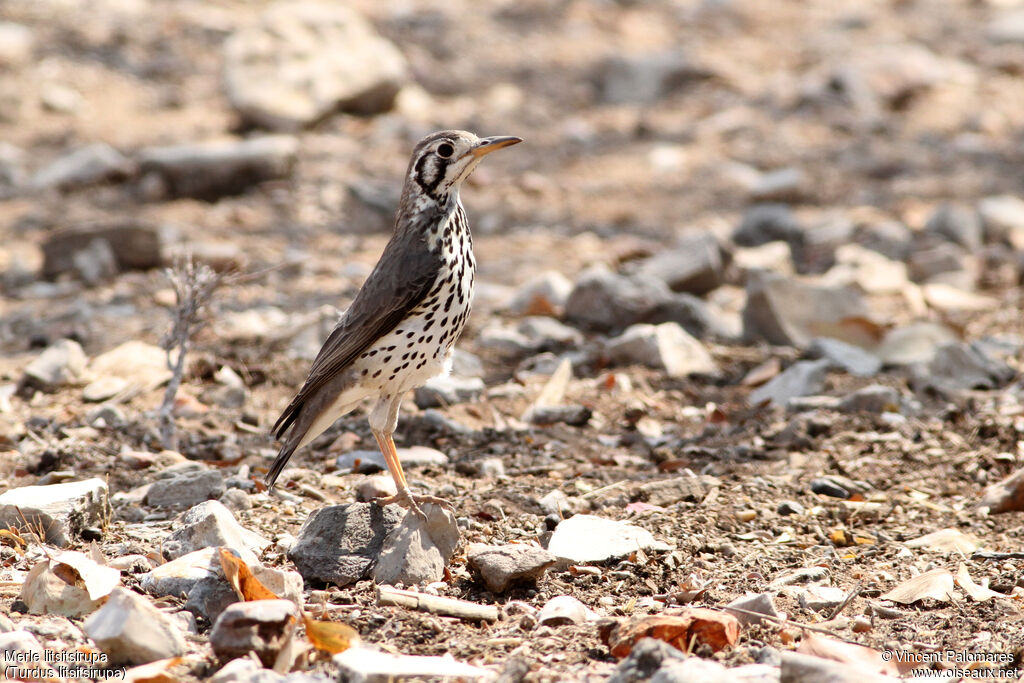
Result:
{"points": [[406, 499]]}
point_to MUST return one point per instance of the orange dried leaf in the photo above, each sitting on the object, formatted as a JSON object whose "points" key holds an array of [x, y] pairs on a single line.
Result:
{"points": [[685, 630], [936, 584], [246, 586], [154, 672], [330, 636]]}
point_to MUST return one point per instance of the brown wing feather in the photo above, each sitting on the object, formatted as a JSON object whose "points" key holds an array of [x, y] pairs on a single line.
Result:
{"points": [[402, 278]]}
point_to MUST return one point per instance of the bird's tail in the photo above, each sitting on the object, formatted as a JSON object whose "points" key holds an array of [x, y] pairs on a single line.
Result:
{"points": [[281, 460]]}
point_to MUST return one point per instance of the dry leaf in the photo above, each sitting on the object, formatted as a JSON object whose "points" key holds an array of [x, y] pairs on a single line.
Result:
{"points": [[945, 541], [684, 631], [847, 653], [154, 672], [247, 587], [76, 569], [330, 636], [973, 590], [762, 373], [554, 390], [936, 584]]}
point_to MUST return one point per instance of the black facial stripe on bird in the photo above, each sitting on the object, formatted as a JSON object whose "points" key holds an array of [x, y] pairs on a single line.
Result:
{"points": [[429, 172]]}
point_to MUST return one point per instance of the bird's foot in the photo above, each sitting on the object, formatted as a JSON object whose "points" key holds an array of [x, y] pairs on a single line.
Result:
{"points": [[406, 499]]}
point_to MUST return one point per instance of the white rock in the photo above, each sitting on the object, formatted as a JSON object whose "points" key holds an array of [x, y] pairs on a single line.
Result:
{"points": [[211, 524], [59, 364], [583, 539], [16, 44], [564, 609], [133, 363], [67, 583], [363, 665], [665, 347], [130, 630], [544, 294], [87, 166], [23, 647], [261, 627], [63, 510]]}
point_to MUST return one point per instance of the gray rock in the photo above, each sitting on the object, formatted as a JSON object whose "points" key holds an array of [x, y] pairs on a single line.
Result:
{"points": [[340, 544], [694, 669], [186, 489], [781, 185], [696, 266], [236, 500], [799, 576], [1003, 218], [216, 169], [128, 629], [586, 539], [790, 507], [645, 659], [891, 238], [913, 343], [466, 364], [377, 486], [672, 491], [501, 566], [547, 334], [544, 294], [927, 263], [878, 78], [63, 510], [263, 627], [603, 301], [766, 223], [759, 603], [304, 60], [958, 224], [210, 524], [799, 668], [368, 462], [820, 598], [689, 312], [846, 357], [368, 665], [12, 162], [785, 311], [90, 165], [23, 646], [17, 43], [416, 551], [814, 251], [875, 398], [957, 367], [799, 379], [664, 347], [644, 78], [574, 415], [562, 610], [446, 390], [1006, 28], [135, 246], [60, 364]]}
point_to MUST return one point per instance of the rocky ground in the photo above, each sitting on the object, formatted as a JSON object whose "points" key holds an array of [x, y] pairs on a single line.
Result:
{"points": [[750, 291]]}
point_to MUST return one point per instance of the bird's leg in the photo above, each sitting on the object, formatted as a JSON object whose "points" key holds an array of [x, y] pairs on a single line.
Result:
{"points": [[404, 497]]}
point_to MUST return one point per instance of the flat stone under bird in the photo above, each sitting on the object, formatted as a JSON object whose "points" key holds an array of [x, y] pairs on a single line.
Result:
{"points": [[403, 324]]}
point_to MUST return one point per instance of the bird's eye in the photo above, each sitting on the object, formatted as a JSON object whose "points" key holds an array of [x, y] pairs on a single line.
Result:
{"points": [[444, 150]]}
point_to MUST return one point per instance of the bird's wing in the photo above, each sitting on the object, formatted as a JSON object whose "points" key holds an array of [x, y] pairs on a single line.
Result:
{"points": [[402, 278]]}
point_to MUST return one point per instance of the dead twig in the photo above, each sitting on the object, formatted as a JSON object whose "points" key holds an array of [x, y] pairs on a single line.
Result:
{"points": [[849, 598], [449, 607], [194, 285]]}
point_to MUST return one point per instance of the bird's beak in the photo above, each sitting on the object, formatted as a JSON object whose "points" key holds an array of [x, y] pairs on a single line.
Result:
{"points": [[488, 145]]}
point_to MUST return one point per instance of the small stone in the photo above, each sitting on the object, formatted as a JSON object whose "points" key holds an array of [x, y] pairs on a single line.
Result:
{"points": [[564, 609], [380, 486], [603, 301], [417, 551], [846, 357], [925, 264], [62, 510], [1003, 218], [1006, 495], [586, 539], [104, 389], [544, 294], [373, 666], [820, 598], [59, 98], [875, 398], [236, 500], [776, 257], [799, 576], [766, 223], [557, 503], [128, 629], [340, 544], [889, 238], [781, 185], [212, 170], [790, 507], [671, 491], [838, 487], [303, 61], [491, 468], [788, 312], [90, 165], [665, 347], [547, 334], [696, 266], [958, 224], [445, 390], [263, 627], [800, 379], [913, 343], [17, 42], [501, 566], [957, 367], [572, 415], [210, 524], [60, 364], [135, 246], [760, 603], [647, 657], [186, 489], [1007, 27], [644, 78]]}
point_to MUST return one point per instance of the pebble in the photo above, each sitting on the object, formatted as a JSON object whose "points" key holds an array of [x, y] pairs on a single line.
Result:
{"points": [[820, 598], [129, 630], [790, 507], [800, 379], [89, 165], [671, 491], [696, 266], [664, 347], [846, 357], [799, 576], [60, 364], [378, 486], [544, 294], [236, 500], [302, 61], [564, 609], [957, 367], [875, 398], [1003, 218], [186, 489], [924, 265], [262, 627], [761, 603], [80, 250], [374, 666], [547, 334], [913, 343], [957, 223], [211, 170], [586, 539], [417, 551], [23, 646], [501, 566], [445, 390], [764, 223], [631, 78], [604, 301], [63, 510], [1007, 27], [340, 544], [211, 524]]}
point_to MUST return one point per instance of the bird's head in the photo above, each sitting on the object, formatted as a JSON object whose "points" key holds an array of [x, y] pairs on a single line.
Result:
{"points": [[442, 160]]}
